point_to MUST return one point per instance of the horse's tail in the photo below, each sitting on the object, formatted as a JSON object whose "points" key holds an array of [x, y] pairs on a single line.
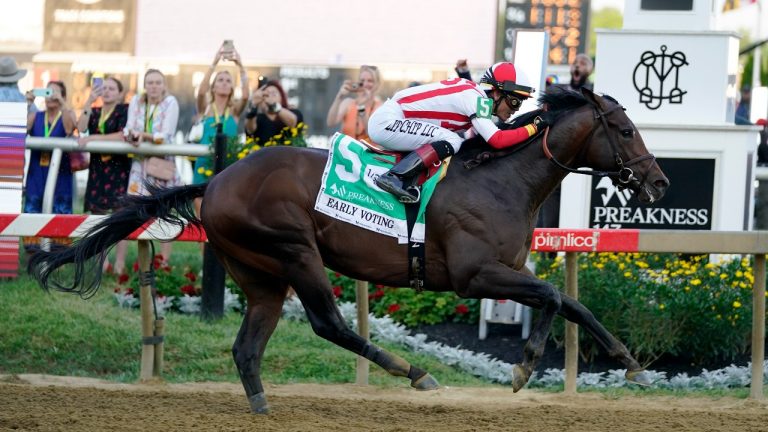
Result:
{"points": [[173, 205]]}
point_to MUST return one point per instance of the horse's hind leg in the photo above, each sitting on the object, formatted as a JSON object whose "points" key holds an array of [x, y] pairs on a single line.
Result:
{"points": [[265, 295], [308, 279]]}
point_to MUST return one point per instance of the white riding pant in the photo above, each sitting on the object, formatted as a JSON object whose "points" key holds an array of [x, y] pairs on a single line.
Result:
{"points": [[389, 128]]}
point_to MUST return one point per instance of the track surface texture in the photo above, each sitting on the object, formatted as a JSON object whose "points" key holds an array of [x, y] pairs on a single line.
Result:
{"points": [[50, 403]]}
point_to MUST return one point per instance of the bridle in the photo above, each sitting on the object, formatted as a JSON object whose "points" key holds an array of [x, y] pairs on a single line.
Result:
{"points": [[624, 175]]}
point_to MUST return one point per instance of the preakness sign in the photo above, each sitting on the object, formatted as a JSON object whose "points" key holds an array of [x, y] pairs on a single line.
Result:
{"points": [[687, 206]]}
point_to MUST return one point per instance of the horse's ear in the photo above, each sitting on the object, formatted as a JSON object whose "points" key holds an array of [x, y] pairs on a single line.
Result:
{"points": [[593, 98]]}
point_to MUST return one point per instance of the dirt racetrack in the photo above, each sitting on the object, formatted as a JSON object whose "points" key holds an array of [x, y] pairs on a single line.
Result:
{"points": [[47, 403]]}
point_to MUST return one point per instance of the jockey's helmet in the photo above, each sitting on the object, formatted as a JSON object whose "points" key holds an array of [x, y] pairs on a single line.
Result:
{"points": [[505, 77]]}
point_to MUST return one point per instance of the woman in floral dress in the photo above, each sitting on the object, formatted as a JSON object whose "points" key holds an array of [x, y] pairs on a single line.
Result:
{"points": [[152, 118], [107, 173]]}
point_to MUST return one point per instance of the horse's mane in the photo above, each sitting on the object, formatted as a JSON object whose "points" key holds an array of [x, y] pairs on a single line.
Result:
{"points": [[557, 100]]}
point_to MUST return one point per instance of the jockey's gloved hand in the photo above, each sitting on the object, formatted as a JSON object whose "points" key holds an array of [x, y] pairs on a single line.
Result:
{"points": [[544, 120]]}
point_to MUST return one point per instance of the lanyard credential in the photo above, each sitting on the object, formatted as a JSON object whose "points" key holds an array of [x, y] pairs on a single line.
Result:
{"points": [[216, 113], [49, 128], [149, 117], [103, 117]]}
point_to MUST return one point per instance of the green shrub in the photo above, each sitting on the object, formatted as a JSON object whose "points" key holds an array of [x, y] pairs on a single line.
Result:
{"points": [[662, 304], [407, 306]]}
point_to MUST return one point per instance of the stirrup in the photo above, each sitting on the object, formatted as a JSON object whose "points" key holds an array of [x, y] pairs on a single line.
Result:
{"points": [[409, 199]]}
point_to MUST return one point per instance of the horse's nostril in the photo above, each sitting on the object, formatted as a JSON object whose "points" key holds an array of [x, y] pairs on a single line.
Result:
{"points": [[661, 184]]}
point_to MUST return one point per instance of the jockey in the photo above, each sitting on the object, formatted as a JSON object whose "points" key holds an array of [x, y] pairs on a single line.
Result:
{"points": [[426, 120]]}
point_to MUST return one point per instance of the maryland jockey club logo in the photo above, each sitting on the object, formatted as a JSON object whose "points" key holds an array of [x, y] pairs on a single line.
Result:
{"points": [[656, 77]]}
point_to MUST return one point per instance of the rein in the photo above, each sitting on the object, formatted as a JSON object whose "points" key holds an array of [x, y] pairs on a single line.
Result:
{"points": [[624, 175], [486, 156]]}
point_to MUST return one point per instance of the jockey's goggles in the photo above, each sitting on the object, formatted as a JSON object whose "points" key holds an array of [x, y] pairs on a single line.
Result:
{"points": [[509, 88]]}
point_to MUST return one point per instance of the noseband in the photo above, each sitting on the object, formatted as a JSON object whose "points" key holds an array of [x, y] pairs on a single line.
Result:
{"points": [[624, 175]]}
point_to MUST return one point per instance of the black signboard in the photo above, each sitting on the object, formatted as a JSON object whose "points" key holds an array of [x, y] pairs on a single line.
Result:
{"points": [[90, 26], [687, 204], [566, 21]]}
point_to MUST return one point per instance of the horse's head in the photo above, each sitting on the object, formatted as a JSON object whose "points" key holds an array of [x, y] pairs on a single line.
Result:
{"points": [[614, 147]]}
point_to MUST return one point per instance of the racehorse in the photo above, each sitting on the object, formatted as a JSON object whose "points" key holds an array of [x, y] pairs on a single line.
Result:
{"points": [[259, 217]]}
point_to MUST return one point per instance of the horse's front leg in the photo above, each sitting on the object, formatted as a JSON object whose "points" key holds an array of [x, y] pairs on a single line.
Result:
{"points": [[495, 280], [575, 312]]}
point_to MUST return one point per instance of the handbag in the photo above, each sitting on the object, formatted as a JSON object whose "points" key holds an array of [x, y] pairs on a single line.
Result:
{"points": [[160, 168], [79, 161], [196, 132]]}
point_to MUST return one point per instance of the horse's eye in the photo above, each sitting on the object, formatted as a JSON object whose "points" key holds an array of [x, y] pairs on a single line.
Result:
{"points": [[627, 133]]}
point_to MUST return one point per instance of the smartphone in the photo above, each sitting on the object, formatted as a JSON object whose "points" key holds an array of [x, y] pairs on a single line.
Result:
{"points": [[97, 82], [228, 47], [262, 81], [42, 92]]}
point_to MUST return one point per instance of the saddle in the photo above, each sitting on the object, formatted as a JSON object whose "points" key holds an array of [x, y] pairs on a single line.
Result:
{"points": [[377, 149]]}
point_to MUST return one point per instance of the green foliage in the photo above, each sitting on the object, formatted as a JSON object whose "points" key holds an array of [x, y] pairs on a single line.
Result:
{"points": [[232, 150], [606, 18], [749, 63], [61, 334], [407, 306], [663, 304], [173, 281]]}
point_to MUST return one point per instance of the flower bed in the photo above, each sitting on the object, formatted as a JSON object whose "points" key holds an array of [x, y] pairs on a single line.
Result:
{"points": [[663, 304], [656, 304], [177, 289]]}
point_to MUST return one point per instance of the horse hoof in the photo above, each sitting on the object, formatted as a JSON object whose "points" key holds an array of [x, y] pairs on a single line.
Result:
{"points": [[259, 404], [519, 377], [427, 382], [639, 377]]}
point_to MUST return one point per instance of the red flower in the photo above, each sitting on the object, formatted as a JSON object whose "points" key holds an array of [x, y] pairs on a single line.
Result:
{"points": [[117, 290], [189, 290], [337, 291], [123, 278], [191, 276], [394, 307], [461, 309], [136, 266], [378, 294], [129, 291], [167, 268], [337, 274]]}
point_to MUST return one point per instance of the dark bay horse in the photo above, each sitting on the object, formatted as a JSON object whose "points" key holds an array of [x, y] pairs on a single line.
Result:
{"points": [[259, 216]]}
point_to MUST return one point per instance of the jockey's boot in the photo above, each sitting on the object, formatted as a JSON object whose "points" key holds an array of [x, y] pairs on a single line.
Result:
{"points": [[398, 180]]}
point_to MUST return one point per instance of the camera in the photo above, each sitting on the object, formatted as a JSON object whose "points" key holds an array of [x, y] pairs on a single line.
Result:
{"points": [[356, 86]]}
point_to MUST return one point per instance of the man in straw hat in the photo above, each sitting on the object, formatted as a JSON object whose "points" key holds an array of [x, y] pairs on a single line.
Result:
{"points": [[10, 74]]}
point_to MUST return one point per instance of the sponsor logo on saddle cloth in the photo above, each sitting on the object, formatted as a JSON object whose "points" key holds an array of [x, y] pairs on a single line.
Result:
{"points": [[347, 191]]}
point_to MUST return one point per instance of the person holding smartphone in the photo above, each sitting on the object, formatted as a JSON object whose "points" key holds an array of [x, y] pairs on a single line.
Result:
{"points": [[107, 173], [355, 103], [268, 114], [216, 104], [57, 120]]}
